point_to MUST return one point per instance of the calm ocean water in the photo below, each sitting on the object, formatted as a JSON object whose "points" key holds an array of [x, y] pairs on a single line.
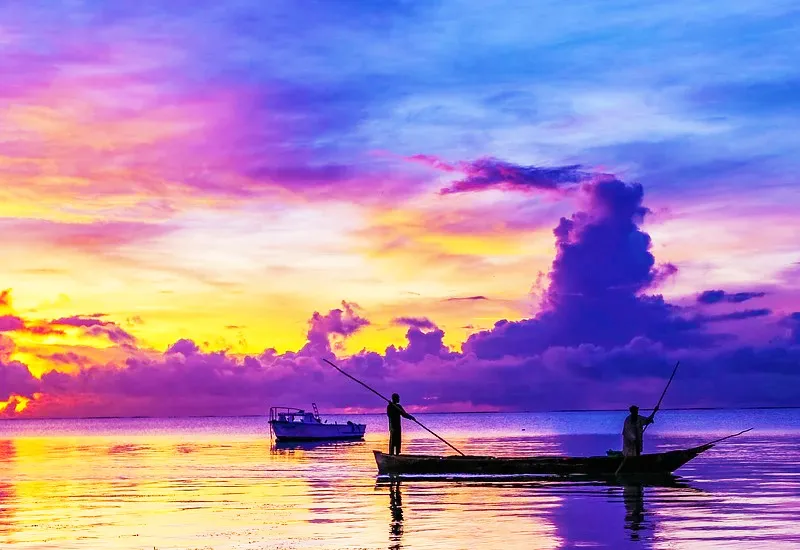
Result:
{"points": [[220, 483]]}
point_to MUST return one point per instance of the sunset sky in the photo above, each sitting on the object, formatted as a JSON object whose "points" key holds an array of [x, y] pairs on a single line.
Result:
{"points": [[199, 199]]}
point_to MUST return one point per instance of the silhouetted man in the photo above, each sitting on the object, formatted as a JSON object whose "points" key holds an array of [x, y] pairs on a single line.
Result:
{"points": [[394, 411], [633, 431]]}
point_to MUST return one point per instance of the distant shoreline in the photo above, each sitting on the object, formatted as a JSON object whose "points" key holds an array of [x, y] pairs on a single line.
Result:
{"points": [[417, 414]]}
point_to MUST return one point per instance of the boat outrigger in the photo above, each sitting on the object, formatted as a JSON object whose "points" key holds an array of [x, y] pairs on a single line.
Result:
{"points": [[291, 424], [646, 465]]}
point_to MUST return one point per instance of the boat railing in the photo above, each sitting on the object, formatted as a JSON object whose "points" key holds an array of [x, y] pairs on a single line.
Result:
{"points": [[275, 412], [289, 414]]}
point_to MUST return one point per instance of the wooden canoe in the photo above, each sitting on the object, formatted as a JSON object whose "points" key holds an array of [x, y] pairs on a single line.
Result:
{"points": [[656, 464]]}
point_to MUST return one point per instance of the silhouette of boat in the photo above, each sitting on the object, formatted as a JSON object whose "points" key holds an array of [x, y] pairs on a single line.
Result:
{"points": [[656, 464], [291, 424]]}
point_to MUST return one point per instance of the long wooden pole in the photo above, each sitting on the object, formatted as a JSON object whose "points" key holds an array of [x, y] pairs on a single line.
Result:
{"points": [[660, 399], [354, 379], [727, 437], [625, 458]]}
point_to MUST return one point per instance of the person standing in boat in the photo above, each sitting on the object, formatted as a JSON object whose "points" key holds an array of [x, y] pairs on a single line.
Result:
{"points": [[633, 432], [394, 411]]}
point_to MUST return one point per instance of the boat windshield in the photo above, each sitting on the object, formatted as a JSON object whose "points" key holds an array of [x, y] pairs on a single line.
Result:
{"points": [[295, 415]]}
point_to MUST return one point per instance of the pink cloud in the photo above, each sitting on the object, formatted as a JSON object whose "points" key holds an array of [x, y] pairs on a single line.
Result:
{"points": [[433, 162], [95, 326], [95, 237], [11, 322]]}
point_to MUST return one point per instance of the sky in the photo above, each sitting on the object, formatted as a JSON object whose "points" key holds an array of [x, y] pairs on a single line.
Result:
{"points": [[517, 206]]}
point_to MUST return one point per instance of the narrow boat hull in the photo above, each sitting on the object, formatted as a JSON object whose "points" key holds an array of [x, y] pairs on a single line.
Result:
{"points": [[657, 464], [299, 431]]}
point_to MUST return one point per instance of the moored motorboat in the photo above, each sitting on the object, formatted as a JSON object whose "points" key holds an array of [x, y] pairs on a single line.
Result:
{"points": [[291, 424], [655, 464]]}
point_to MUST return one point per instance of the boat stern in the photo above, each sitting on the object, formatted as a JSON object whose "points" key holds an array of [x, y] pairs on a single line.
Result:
{"points": [[387, 464]]}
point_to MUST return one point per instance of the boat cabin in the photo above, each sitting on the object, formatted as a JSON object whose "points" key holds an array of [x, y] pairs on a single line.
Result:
{"points": [[289, 414]]}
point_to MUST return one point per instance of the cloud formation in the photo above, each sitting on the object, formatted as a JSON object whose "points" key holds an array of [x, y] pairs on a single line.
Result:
{"points": [[95, 326], [601, 339], [720, 296], [415, 322], [603, 265], [490, 173], [336, 324], [466, 298]]}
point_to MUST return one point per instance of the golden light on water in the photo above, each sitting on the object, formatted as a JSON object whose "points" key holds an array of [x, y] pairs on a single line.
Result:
{"points": [[222, 483]]}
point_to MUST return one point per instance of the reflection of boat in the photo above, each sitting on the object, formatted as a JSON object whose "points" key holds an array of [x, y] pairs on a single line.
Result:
{"points": [[316, 444], [538, 481], [656, 464], [290, 424]]}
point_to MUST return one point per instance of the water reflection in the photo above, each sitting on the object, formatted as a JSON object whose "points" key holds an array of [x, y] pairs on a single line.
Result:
{"points": [[164, 484], [7, 493], [281, 446], [396, 508], [633, 495]]}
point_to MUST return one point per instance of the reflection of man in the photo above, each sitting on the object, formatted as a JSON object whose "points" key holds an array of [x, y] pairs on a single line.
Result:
{"points": [[394, 411], [633, 495], [633, 431], [396, 506]]}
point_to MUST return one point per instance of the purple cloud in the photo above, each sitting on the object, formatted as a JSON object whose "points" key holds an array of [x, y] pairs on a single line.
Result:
{"points": [[16, 379], [336, 323], [79, 321], [10, 323], [68, 358], [603, 265], [466, 298], [421, 345], [792, 322], [183, 346], [718, 296], [486, 173], [416, 322], [95, 326], [736, 315]]}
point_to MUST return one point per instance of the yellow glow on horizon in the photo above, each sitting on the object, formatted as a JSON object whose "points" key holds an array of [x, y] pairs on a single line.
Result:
{"points": [[20, 403]]}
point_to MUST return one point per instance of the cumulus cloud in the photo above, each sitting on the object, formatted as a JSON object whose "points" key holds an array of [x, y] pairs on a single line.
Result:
{"points": [[16, 379], [337, 323], [183, 346], [597, 285]]}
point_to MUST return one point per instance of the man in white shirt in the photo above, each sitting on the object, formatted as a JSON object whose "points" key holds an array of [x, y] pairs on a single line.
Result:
{"points": [[633, 430]]}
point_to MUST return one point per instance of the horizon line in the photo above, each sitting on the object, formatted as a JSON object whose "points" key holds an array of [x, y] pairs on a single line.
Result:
{"points": [[778, 407]]}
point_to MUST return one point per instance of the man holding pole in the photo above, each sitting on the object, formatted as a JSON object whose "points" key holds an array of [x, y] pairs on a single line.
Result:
{"points": [[633, 431], [391, 411], [394, 411]]}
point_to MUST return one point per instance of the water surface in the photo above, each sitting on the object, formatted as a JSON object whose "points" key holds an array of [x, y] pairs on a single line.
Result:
{"points": [[220, 483]]}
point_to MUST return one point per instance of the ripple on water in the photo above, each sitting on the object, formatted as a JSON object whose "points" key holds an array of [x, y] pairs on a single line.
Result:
{"points": [[221, 484]]}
